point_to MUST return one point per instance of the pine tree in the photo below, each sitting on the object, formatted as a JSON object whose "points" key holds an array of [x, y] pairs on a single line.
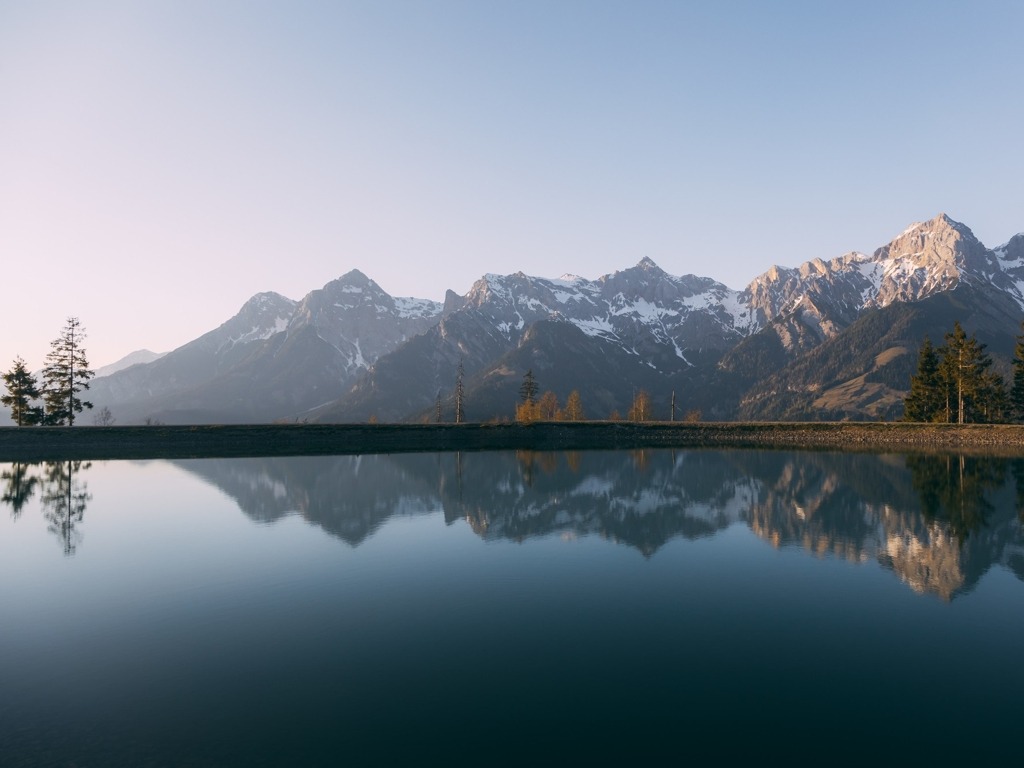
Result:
{"points": [[1017, 390], [993, 401], [66, 374], [964, 372], [22, 389], [528, 389], [925, 400], [20, 485], [460, 372]]}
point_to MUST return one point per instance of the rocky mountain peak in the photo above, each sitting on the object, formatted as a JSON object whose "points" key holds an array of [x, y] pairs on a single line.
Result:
{"points": [[352, 288], [266, 301], [263, 314], [354, 277], [1012, 251], [936, 235], [452, 302], [931, 256]]}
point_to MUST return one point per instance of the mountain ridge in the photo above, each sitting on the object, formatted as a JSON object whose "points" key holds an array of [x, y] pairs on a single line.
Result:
{"points": [[350, 352]]}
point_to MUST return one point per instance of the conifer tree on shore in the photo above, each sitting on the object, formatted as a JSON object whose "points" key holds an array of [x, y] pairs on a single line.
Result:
{"points": [[22, 389], [66, 374], [954, 384]]}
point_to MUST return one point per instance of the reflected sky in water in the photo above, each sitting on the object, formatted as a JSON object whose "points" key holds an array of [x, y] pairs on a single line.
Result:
{"points": [[461, 606]]}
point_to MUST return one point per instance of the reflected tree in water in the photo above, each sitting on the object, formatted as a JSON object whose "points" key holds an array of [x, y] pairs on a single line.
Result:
{"points": [[952, 489], [19, 485], [1017, 468], [64, 498]]}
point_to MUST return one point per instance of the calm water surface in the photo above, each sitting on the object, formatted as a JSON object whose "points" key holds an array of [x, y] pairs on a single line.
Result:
{"points": [[489, 608]]}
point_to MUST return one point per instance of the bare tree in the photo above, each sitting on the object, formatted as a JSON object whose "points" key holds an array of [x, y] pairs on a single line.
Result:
{"points": [[103, 417], [573, 407], [641, 408]]}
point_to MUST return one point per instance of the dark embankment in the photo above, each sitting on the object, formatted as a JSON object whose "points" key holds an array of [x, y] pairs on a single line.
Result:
{"points": [[51, 443]]}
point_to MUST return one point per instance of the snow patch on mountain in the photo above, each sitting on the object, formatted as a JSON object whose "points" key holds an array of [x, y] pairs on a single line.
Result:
{"points": [[258, 332], [409, 307]]}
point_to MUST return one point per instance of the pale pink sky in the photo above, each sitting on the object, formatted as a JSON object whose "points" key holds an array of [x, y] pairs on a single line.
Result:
{"points": [[160, 162]]}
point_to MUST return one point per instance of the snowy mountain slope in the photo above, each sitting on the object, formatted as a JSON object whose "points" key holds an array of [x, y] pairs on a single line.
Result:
{"points": [[636, 307], [196, 362], [640, 317], [276, 358], [927, 258]]}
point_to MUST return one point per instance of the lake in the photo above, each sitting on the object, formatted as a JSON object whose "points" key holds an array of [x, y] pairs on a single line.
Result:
{"points": [[489, 608]]}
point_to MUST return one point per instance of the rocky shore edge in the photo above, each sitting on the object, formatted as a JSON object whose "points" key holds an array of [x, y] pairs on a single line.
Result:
{"points": [[209, 441]]}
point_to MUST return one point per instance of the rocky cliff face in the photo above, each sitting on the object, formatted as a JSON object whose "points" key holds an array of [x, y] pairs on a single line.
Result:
{"points": [[825, 297]]}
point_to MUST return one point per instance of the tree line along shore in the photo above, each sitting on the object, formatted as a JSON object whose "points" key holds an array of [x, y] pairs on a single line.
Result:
{"points": [[209, 441]]}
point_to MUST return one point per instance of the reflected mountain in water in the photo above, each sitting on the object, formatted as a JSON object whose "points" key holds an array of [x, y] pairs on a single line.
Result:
{"points": [[938, 522], [636, 498], [349, 497], [639, 498]]}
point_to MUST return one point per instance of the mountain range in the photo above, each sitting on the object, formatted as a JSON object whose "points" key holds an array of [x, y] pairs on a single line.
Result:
{"points": [[830, 339]]}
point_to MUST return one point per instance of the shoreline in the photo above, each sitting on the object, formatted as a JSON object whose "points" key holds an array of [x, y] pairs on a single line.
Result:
{"points": [[223, 441]]}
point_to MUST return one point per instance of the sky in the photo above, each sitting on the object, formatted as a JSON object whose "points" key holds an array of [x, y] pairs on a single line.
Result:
{"points": [[163, 161]]}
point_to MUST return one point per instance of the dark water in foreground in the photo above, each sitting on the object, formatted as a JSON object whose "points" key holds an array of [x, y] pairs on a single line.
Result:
{"points": [[618, 607]]}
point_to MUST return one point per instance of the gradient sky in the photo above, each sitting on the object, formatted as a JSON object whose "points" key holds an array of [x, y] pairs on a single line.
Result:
{"points": [[160, 162]]}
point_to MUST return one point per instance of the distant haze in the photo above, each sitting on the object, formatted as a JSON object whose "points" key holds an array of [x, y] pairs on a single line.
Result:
{"points": [[162, 162]]}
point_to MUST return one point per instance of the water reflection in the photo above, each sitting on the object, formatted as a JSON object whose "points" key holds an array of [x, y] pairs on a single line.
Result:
{"points": [[64, 495], [19, 483], [938, 522], [64, 498], [955, 489]]}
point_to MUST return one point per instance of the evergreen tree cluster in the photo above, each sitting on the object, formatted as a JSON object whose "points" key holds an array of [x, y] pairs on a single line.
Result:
{"points": [[66, 374], [954, 383]]}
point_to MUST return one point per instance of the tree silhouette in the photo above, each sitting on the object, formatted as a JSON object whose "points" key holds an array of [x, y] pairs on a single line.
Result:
{"points": [[64, 501], [22, 389], [460, 372], [66, 374], [641, 408], [925, 401], [1017, 391], [528, 389], [547, 406], [953, 489], [573, 407], [954, 383], [19, 487]]}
